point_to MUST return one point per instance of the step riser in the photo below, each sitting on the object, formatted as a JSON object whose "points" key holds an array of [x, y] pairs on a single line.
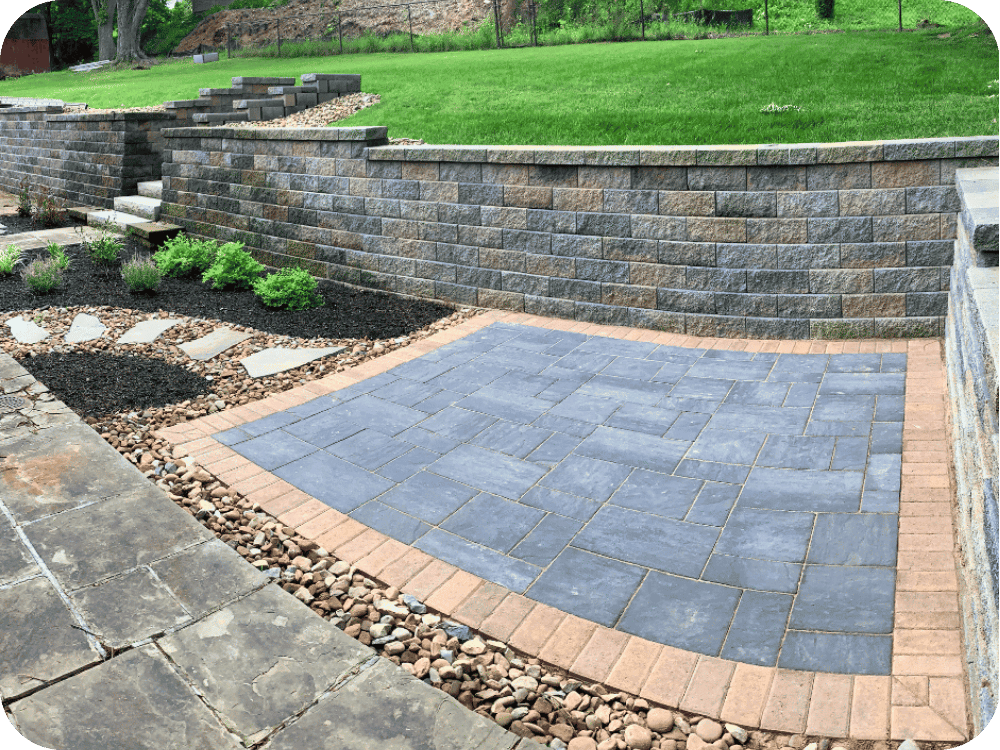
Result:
{"points": [[152, 189], [135, 208]]}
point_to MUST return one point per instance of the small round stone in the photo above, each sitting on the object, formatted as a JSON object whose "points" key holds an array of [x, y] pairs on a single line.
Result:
{"points": [[660, 720], [582, 743], [709, 730], [638, 737]]}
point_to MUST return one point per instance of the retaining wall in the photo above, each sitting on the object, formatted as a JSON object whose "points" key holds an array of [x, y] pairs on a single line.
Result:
{"points": [[799, 241], [81, 159], [971, 356]]}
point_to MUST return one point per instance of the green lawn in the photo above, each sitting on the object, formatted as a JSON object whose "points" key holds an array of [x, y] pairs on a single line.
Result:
{"points": [[850, 86]]}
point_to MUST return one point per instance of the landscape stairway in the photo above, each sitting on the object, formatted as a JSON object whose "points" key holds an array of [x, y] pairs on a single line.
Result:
{"points": [[137, 215]]}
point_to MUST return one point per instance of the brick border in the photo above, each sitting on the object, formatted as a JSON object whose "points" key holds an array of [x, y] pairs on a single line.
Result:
{"points": [[923, 699]]}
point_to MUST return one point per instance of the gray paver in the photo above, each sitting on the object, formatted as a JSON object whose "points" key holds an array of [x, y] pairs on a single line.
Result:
{"points": [[337, 483], [38, 642], [15, 560], [146, 331], [288, 657], [213, 344], [837, 652], [755, 634], [278, 359], [134, 701], [515, 574], [493, 522], [410, 716], [25, 331], [84, 328]]}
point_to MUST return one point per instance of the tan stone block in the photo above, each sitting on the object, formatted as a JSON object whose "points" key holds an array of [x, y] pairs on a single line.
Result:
{"points": [[626, 295], [687, 203], [903, 228], [527, 197], [550, 265], [873, 305], [777, 231], [501, 300], [655, 275], [617, 178], [440, 192], [872, 202], [576, 199], [420, 170], [897, 174], [716, 230]]}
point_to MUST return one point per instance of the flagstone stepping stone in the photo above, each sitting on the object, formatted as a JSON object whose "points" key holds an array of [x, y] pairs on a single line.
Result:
{"points": [[26, 332], [84, 328], [146, 331], [214, 343], [278, 359]]}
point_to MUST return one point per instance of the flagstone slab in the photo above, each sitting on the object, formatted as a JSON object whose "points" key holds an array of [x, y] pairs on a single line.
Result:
{"points": [[213, 344], [85, 328], [278, 359], [147, 331], [26, 332]]}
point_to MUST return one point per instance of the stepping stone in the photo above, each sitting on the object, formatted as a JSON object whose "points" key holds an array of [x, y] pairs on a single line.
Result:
{"points": [[146, 331], [84, 328], [214, 343], [26, 332], [279, 359]]}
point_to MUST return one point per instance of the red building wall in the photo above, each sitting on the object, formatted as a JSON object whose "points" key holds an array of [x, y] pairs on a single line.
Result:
{"points": [[26, 55]]}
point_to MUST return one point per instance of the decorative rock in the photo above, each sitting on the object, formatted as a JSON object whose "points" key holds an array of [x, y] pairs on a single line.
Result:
{"points": [[638, 737], [525, 682], [739, 733], [475, 647], [454, 630], [908, 745], [582, 743], [414, 605], [694, 742], [660, 720], [84, 328], [709, 730]]}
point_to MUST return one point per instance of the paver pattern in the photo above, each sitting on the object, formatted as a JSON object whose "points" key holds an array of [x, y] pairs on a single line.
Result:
{"points": [[729, 503]]}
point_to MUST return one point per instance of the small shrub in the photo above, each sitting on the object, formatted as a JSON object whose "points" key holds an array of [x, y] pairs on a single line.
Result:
{"points": [[49, 213], [58, 256], [142, 274], [824, 8], [233, 266], [291, 288], [42, 275], [183, 255], [24, 199], [104, 250], [9, 258]]}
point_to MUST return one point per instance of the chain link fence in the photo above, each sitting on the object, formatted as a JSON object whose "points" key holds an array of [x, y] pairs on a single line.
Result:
{"points": [[434, 25]]}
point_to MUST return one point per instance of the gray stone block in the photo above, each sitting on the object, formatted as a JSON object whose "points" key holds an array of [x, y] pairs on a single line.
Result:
{"points": [[480, 236], [720, 326], [907, 279], [604, 224], [809, 305], [771, 328], [778, 281], [742, 255], [405, 189], [926, 304], [609, 315], [717, 178], [416, 210], [575, 289], [524, 241], [687, 253], [462, 295], [523, 283], [846, 281], [602, 270], [481, 278], [932, 200], [808, 256], [716, 279], [659, 227], [745, 203], [630, 201], [619, 248], [873, 255], [454, 213], [907, 328], [685, 301], [760, 305], [461, 255], [577, 247], [776, 178], [480, 194], [839, 230], [930, 253], [808, 204], [549, 307]]}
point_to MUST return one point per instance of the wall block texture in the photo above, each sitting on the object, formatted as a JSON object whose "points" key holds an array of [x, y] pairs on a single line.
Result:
{"points": [[794, 241]]}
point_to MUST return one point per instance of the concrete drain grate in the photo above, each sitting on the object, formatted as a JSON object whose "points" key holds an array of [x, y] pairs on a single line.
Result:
{"points": [[13, 403]]}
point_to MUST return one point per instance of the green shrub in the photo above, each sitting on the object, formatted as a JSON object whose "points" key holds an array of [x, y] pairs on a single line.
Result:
{"points": [[58, 256], [291, 288], [183, 255], [24, 199], [48, 212], [824, 8], [42, 276], [104, 250], [8, 259], [141, 274], [233, 266]]}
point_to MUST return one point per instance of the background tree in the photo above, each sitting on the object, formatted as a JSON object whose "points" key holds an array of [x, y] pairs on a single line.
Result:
{"points": [[131, 14], [72, 31], [104, 13]]}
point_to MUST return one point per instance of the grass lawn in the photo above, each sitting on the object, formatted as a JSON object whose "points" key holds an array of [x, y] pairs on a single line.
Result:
{"points": [[850, 86]]}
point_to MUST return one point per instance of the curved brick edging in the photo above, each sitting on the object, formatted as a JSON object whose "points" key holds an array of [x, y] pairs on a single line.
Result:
{"points": [[789, 241], [924, 698]]}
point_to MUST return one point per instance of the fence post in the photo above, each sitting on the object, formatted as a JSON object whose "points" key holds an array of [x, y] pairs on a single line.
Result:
{"points": [[409, 17], [340, 30], [900, 15], [279, 37], [642, 19], [767, 20]]}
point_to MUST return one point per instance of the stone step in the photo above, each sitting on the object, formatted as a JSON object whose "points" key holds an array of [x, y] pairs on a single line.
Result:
{"points": [[25, 331], [213, 344], [206, 118], [278, 359], [84, 328], [258, 103], [153, 234], [147, 331], [118, 218], [138, 205], [283, 90], [251, 81], [151, 189]]}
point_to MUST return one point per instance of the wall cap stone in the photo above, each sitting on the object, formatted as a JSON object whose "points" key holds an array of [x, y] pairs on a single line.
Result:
{"points": [[370, 133]]}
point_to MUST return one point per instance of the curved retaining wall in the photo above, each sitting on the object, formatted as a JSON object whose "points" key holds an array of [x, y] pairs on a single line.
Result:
{"points": [[778, 241]]}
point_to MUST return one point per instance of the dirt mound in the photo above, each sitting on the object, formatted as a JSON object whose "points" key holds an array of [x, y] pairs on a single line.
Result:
{"points": [[315, 19]]}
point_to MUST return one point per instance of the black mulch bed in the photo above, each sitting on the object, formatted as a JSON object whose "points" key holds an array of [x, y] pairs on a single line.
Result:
{"points": [[348, 312], [95, 384], [17, 224]]}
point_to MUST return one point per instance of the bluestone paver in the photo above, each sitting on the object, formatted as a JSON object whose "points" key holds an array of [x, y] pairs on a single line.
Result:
{"points": [[213, 344], [84, 328], [25, 331], [278, 359], [146, 331]]}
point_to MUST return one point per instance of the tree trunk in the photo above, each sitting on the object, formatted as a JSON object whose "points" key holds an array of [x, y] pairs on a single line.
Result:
{"points": [[104, 12], [131, 14]]}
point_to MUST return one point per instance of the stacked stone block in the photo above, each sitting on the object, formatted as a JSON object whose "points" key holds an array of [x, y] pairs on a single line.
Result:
{"points": [[800, 241], [79, 158]]}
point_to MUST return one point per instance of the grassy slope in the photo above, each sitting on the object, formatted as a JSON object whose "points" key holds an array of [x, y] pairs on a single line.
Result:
{"points": [[854, 86]]}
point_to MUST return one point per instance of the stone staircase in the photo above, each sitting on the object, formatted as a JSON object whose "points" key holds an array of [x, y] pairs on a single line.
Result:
{"points": [[136, 215]]}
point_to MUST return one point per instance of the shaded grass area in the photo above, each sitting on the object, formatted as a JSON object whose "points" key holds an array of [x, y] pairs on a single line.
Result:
{"points": [[851, 86]]}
